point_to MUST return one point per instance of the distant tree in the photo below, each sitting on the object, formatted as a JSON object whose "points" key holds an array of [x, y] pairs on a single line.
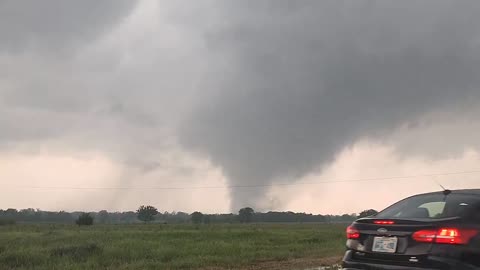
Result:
{"points": [[103, 216], [207, 219], [85, 219], [11, 211], [146, 213], [367, 213], [245, 215], [8, 216], [197, 217], [129, 217]]}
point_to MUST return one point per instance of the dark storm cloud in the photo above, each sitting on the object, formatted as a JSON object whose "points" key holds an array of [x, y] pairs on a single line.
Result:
{"points": [[307, 78], [104, 76], [56, 24], [39, 90], [269, 90]]}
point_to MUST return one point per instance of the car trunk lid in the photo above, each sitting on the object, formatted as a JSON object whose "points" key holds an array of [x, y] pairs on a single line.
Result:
{"points": [[392, 239]]}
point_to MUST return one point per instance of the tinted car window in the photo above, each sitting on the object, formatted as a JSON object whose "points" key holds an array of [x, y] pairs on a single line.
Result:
{"points": [[434, 209], [433, 206]]}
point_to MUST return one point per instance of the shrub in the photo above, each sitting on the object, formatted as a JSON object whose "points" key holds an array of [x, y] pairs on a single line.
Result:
{"points": [[85, 219], [197, 217], [146, 213]]}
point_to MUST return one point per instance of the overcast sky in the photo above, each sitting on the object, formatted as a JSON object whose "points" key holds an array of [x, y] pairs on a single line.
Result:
{"points": [[215, 105]]}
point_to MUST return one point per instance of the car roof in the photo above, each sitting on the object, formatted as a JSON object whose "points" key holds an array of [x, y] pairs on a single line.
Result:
{"points": [[455, 191]]}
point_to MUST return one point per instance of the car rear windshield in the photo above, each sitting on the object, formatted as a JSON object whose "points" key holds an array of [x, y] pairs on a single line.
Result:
{"points": [[434, 206]]}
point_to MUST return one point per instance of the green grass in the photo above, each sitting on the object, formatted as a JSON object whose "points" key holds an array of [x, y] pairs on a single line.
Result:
{"points": [[164, 246]]}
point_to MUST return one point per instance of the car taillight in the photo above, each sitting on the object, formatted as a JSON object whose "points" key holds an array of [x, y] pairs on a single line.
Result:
{"points": [[455, 236], [445, 236], [352, 233], [384, 222], [426, 236]]}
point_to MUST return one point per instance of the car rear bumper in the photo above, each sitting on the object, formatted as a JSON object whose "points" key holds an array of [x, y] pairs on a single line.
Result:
{"points": [[437, 263]]}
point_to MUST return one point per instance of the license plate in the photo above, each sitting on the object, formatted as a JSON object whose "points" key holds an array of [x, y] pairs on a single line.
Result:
{"points": [[385, 244]]}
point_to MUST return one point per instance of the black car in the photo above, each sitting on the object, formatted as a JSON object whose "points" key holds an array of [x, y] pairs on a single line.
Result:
{"points": [[439, 230]]}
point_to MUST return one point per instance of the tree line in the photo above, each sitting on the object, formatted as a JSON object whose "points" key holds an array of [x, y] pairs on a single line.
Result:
{"points": [[148, 214]]}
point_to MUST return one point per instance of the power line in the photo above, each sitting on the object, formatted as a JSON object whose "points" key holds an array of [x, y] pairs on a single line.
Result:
{"points": [[407, 177]]}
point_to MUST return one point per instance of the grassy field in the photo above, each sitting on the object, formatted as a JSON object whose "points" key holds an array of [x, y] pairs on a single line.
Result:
{"points": [[255, 246]]}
